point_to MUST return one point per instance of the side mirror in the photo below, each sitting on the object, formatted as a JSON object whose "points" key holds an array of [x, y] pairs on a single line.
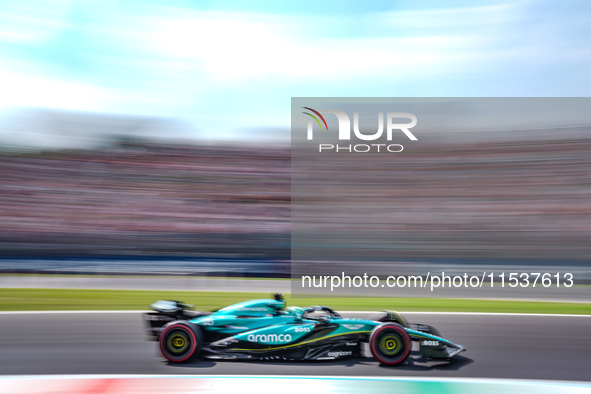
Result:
{"points": [[279, 297]]}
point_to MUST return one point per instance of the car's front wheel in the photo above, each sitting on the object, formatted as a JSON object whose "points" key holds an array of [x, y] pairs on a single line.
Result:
{"points": [[389, 343], [180, 341]]}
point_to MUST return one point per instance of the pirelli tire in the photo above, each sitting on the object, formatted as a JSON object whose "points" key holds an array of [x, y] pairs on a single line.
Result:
{"points": [[180, 341], [390, 344]]}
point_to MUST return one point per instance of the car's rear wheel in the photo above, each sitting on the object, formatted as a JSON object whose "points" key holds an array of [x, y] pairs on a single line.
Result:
{"points": [[389, 343], [180, 341]]}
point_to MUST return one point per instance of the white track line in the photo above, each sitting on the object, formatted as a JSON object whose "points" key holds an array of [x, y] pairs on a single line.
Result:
{"points": [[352, 312], [304, 377], [65, 312]]}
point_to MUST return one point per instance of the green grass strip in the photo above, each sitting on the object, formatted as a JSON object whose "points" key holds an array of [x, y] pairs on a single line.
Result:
{"points": [[74, 299], [117, 276]]}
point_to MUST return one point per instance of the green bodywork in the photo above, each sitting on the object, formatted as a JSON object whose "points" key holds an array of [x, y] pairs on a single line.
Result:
{"points": [[268, 322]]}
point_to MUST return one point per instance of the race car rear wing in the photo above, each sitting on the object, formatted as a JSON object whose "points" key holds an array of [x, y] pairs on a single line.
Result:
{"points": [[167, 311]]}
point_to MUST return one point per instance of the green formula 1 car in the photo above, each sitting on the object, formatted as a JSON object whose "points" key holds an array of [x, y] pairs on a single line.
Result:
{"points": [[267, 330]]}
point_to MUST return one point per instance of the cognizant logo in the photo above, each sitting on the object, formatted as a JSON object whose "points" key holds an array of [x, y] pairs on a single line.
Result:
{"points": [[393, 125], [269, 338]]}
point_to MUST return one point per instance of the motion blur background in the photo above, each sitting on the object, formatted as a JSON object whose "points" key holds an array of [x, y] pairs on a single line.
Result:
{"points": [[144, 136], [490, 185]]}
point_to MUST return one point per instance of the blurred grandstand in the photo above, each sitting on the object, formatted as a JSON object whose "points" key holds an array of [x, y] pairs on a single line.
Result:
{"points": [[213, 208], [89, 186]]}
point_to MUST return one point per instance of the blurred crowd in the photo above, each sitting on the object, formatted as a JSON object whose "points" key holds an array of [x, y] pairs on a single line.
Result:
{"points": [[146, 199], [501, 199], [518, 196]]}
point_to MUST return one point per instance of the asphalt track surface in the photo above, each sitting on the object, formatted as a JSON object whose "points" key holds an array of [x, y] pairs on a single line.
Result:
{"points": [[499, 346]]}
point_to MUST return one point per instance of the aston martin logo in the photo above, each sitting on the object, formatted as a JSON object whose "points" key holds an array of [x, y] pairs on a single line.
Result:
{"points": [[353, 326]]}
